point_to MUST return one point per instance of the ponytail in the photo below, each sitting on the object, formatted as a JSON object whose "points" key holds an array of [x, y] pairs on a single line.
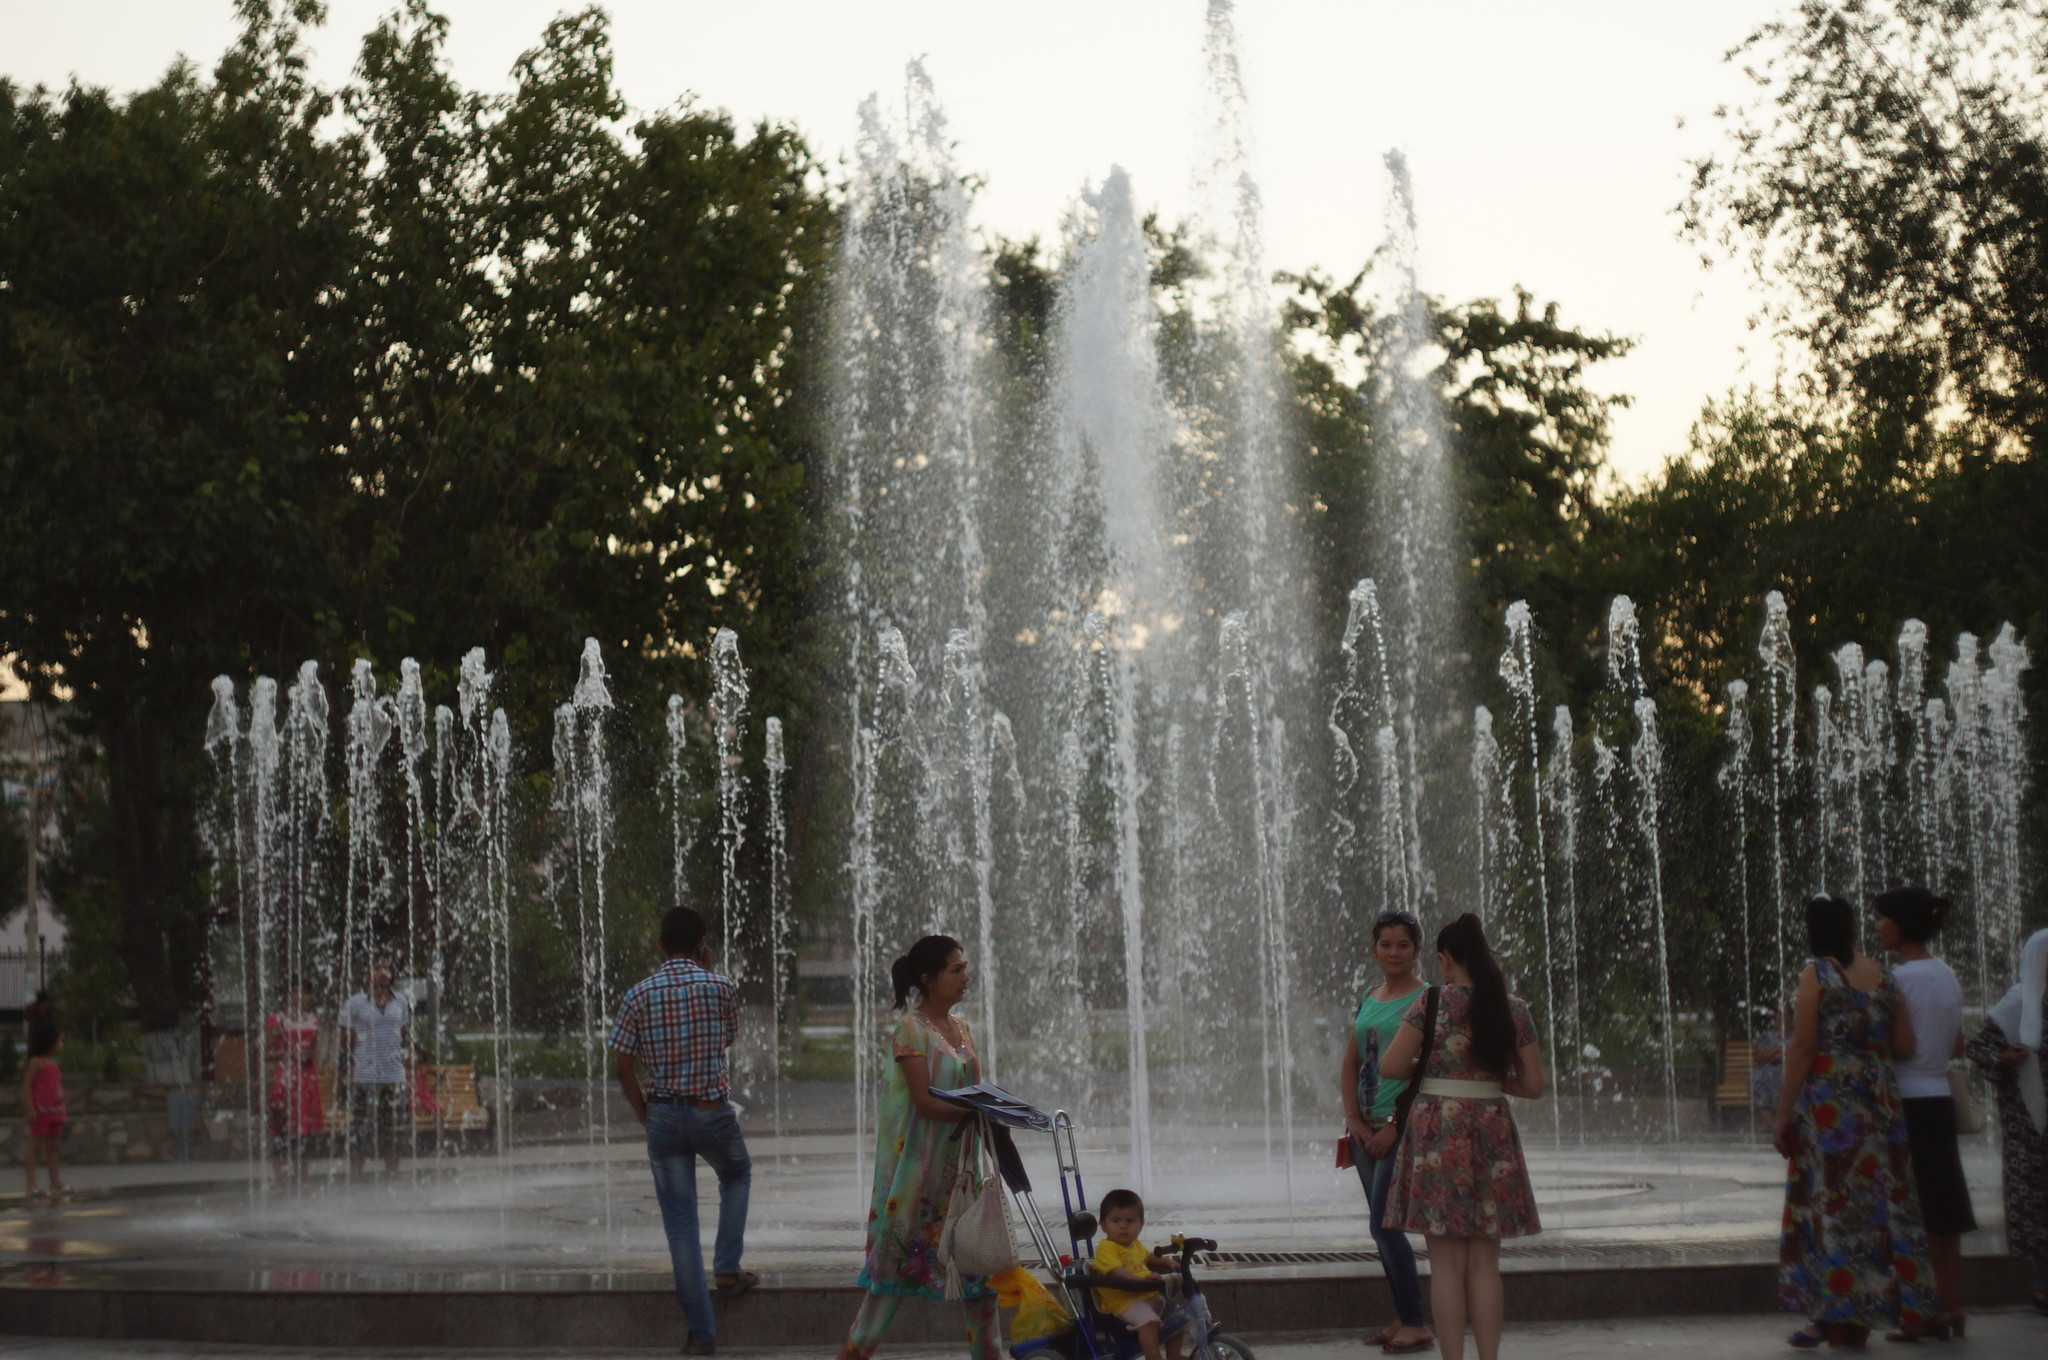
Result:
{"points": [[1491, 1017], [927, 958]]}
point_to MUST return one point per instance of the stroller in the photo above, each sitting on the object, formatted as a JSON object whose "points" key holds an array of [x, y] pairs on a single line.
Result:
{"points": [[1095, 1335]]}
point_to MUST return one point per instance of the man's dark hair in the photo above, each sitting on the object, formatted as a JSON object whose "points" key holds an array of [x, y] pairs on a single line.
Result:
{"points": [[1122, 1199], [682, 930]]}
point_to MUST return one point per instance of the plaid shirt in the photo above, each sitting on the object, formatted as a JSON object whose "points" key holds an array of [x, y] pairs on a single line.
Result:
{"points": [[678, 1021]]}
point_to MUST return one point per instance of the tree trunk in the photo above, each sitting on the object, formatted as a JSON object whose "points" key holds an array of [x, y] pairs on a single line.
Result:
{"points": [[135, 800]]}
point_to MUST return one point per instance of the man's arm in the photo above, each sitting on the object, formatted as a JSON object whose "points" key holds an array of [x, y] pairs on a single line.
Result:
{"points": [[629, 1084]]}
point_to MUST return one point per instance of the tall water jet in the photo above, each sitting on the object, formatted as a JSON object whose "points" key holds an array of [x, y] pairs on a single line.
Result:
{"points": [[1518, 670], [1412, 522], [781, 954], [1561, 799], [1781, 689], [1734, 779], [729, 694], [1646, 789], [583, 800]]}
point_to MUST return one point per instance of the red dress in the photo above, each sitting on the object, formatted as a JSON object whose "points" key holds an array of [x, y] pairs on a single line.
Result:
{"points": [[294, 1081], [46, 1095]]}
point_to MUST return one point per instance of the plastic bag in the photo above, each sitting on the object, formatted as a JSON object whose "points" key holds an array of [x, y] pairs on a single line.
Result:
{"points": [[1038, 1313]]}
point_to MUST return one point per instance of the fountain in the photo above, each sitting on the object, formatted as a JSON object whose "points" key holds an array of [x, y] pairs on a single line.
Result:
{"points": [[1086, 720]]}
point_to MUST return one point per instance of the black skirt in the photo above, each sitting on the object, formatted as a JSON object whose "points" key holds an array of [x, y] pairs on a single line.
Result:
{"points": [[1938, 1165]]}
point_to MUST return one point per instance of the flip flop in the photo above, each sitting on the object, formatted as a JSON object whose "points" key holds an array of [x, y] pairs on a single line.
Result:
{"points": [[739, 1284], [1409, 1347], [1380, 1337]]}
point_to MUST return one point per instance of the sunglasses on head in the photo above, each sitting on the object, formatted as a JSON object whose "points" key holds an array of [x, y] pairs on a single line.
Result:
{"points": [[1404, 917]]}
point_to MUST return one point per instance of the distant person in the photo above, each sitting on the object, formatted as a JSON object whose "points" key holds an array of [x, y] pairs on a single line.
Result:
{"points": [[1907, 918], [2010, 1051], [1461, 1180], [917, 1156], [376, 1051], [1368, 1101], [1853, 1256], [292, 1098], [42, 1095], [678, 1022]]}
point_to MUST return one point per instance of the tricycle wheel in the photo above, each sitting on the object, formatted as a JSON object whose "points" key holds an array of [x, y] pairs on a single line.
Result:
{"points": [[1223, 1347]]}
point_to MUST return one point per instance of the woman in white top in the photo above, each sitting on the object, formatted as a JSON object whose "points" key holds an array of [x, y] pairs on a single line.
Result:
{"points": [[1907, 918]]}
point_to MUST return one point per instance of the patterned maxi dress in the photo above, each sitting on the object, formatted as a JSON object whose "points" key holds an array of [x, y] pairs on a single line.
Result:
{"points": [[1460, 1171], [2024, 1149], [1853, 1250], [916, 1160]]}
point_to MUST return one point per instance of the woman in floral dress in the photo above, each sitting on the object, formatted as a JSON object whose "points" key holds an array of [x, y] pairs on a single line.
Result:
{"points": [[916, 1155], [1461, 1180], [2011, 1051], [1853, 1256]]}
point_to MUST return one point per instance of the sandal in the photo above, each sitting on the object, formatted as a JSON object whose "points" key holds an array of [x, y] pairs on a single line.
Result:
{"points": [[1380, 1337], [1807, 1338], [1421, 1343], [738, 1284]]}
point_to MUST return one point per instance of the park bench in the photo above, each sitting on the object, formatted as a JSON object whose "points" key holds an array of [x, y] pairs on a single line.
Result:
{"points": [[1738, 1057], [451, 1112]]}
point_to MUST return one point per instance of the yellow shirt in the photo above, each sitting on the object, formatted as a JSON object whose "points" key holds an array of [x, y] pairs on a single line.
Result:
{"points": [[1109, 1256]]}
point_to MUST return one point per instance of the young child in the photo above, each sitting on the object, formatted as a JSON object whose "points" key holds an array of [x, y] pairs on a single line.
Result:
{"points": [[42, 1095], [1121, 1253]]}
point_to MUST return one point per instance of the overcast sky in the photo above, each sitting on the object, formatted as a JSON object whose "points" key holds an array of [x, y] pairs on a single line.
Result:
{"points": [[1544, 138]]}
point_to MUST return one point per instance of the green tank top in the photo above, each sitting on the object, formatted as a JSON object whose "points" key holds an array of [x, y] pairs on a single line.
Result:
{"points": [[1374, 1027]]}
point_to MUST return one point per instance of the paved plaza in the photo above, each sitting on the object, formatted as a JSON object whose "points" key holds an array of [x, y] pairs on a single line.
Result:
{"points": [[1997, 1334]]}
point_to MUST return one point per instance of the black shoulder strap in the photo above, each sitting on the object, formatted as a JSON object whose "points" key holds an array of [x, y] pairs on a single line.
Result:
{"points": [[1407, 1096]]}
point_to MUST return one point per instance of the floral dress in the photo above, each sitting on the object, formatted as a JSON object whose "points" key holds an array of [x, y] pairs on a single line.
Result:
{"points": [[1853, 1250], [916, 1160], [1460, 1171], [2024, 1149]]}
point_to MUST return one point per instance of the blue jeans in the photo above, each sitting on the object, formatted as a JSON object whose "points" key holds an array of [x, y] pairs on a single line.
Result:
{"points": [[677, 1135], [1397, 1257]]}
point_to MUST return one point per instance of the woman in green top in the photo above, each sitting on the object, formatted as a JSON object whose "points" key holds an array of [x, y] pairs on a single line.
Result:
{"points": [[1369, 1113]]}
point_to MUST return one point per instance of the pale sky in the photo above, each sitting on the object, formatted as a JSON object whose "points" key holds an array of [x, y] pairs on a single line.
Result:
{"points": [[1543, 137]]}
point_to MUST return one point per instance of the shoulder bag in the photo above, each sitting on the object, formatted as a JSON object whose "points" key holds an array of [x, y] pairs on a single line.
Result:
{"points": [[1406, 1099], [976, 1237], [1970, 1114]]}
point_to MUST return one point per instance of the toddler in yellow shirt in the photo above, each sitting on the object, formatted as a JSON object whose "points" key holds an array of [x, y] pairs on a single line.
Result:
{"points": [[1121, 1253]]}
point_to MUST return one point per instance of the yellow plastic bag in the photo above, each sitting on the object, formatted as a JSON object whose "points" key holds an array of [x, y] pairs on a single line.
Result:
{"points": [[1038, 1313]]}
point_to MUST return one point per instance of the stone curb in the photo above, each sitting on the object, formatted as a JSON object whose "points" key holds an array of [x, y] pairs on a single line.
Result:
{"points": [[815, 1316]]}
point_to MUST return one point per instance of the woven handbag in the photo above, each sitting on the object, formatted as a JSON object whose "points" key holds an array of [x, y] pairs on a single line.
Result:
{"points": [[976, 1237], [1971, 1117]]}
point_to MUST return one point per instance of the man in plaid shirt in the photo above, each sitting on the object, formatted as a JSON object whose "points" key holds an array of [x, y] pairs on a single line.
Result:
{"points": [[678, 1023]]}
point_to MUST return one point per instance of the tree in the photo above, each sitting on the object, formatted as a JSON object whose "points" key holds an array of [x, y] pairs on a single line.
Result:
{"points": [[398, 371], [1890, 188]]}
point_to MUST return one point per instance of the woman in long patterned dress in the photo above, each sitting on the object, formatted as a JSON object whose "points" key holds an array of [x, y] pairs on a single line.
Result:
{"points": [[2010, 1051], [1853, 1256], [1461, 1179], [916, 1155]]}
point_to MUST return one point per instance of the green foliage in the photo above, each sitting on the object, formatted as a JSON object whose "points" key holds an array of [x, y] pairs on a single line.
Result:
{"points": [[400, 369], [1889, 185]]}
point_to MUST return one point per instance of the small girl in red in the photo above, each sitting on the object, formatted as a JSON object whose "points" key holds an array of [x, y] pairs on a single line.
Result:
{"points": [[42, 1089]]}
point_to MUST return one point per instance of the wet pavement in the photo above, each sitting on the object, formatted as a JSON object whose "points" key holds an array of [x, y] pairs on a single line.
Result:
{"points": [[1995, 1334]]}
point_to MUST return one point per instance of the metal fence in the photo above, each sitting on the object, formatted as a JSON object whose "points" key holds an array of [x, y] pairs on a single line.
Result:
{"points": [[18, 980]]}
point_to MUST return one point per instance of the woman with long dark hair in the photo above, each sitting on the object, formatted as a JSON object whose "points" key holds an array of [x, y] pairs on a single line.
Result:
{"points": [[1853, 1256], [1907, 918], [1369, 1118], [1460, 1179], [916, 1155]]}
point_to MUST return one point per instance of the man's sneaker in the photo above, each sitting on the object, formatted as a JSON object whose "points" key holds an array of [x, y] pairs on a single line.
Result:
{"points": [[700, 1345]]}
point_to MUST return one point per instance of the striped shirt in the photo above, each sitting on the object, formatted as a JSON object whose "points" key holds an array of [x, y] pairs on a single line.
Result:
{"points": [[379, 1052], [678, 1021]]}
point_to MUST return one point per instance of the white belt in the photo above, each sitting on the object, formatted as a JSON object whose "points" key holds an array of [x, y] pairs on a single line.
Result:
{"points": [[1462, 1090]]}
